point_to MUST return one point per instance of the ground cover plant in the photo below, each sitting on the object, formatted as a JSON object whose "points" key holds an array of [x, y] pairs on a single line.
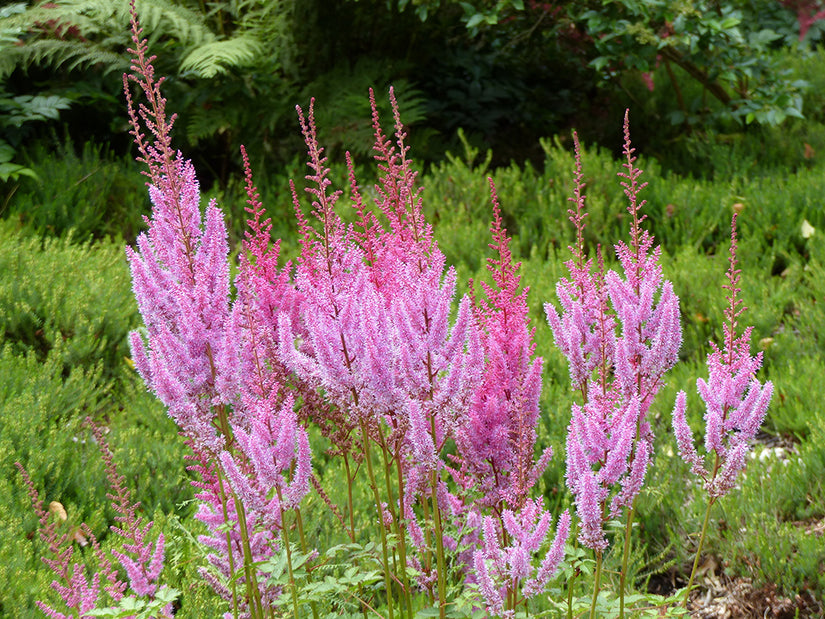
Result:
{"points": [[360, 574]]}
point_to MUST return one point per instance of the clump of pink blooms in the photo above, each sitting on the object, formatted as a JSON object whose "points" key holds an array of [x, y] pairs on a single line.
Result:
{"points": [[735, 401], [140, 559], [364, 339], [621, 334], [357, 337]]}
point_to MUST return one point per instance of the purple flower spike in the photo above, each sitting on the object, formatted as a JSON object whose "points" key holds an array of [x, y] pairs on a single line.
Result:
{"points": [[735, 401], [620, 332]]}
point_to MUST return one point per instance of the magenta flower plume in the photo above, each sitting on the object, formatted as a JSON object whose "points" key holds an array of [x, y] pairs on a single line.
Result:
{"points": [[497, 442], [583, 330], [374, 328], [180, 269], [79, 594], [735, 401], [651, 333], [214, 363], [139, 559]]}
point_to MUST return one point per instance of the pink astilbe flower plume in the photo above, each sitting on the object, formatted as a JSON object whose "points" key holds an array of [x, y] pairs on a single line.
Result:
{"points": [[79, 594], [180, 270], [213, 357], [503, 564], [735, 401], [497, 442], [582, 299], [141, 560], [621, 334]]}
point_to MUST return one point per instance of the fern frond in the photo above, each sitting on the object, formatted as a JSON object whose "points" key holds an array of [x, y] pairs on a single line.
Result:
{"points": [[202, 123], [63, 54], [91, 32], [161, 17], [217, 57]]}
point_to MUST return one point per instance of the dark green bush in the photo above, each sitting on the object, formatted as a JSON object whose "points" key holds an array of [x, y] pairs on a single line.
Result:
{"points": [[65, 310], [86, 190]]}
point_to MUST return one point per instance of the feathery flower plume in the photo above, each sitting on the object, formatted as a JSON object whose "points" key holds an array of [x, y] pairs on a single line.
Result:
{"points": [[141, 562], [180, 270], [735, 405], [139, 559], [78, 594], [216, 365], [735, 401], [497, 442], [620, 333], [503, 565]]}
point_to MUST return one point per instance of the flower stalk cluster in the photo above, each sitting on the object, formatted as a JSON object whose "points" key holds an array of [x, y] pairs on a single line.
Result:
{"points": [[429, 401], [357, 338], [621, 333]]}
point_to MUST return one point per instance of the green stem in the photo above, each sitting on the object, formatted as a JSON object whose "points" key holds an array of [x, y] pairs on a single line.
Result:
{"points": [[285, 537], [402, 533], [253, 594], [377, 498], [390, 494], [397, 521], [439, 537], [570, 584], [625, 555], [300, 522], [428, 558], [255, 603], [597, 577], [232, 580], [698, 550], [349, 498]]}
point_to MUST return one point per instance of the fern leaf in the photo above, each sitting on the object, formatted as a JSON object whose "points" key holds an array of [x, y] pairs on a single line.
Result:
{"points": [[217, 57], [70, 55]]}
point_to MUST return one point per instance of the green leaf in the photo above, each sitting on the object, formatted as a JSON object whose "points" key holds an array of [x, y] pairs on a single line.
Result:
{"points": [[475, 20], [600, 62], [12, 171], [729, 22], [217, 57]]}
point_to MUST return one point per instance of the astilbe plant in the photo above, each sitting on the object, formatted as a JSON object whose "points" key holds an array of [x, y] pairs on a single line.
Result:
{"points": [[621, 334], [735, 405], [207, 359], [496, 443], [359, 336], [140, 559]]}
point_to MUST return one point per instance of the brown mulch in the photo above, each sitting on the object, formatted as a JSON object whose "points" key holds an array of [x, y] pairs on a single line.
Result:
{"points": [[736, 598]]}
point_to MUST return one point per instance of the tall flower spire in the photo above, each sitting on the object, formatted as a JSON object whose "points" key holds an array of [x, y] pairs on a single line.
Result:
{"points": [[735, 401]]}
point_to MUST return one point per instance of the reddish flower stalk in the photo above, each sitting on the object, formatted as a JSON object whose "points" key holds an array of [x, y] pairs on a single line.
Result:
{"points": [[496, 444], [139, 559], [141, 562]]}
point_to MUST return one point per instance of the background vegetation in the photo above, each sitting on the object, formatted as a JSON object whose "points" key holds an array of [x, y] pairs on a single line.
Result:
{"points": [[487, 88]]}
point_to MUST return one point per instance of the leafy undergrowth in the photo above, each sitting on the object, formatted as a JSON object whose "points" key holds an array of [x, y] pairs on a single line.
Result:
{"points": [[65, 308]]}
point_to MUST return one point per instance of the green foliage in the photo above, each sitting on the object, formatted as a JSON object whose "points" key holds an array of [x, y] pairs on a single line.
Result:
{"points": [[130, 606], [51, 295], [65, 310], [725, 47], [234, 58], [99, 195]]}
